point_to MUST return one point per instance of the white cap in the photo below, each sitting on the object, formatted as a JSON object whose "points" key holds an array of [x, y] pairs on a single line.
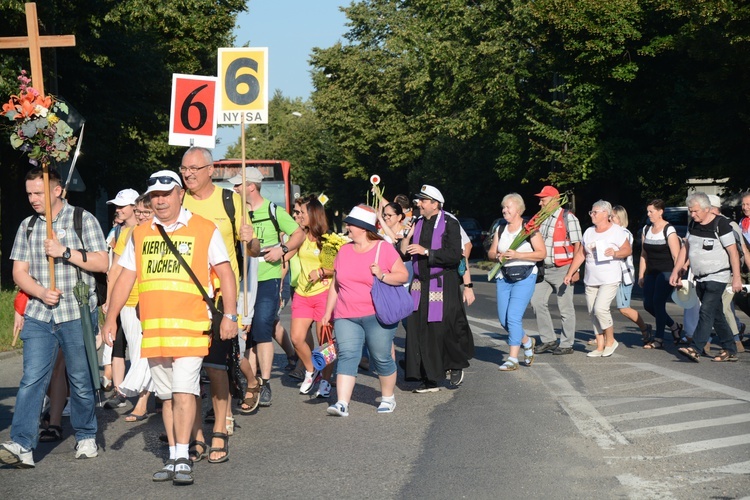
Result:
{"points": [[714, 200], [124, 198], [252, 174], [362, 218], [430, 193], [163, 180]]}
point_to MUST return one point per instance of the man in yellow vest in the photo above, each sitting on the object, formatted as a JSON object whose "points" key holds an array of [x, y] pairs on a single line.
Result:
{"points": [[173, 314]]}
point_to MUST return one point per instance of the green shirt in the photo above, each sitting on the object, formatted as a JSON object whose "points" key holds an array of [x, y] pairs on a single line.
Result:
{"points": [[268, 237]]}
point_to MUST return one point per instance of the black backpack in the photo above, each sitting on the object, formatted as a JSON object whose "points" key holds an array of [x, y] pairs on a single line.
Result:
{"points": [[101, 278]]}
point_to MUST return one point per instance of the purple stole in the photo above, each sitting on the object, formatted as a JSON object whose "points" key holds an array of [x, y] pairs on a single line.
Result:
{"points": [[435, 298]]}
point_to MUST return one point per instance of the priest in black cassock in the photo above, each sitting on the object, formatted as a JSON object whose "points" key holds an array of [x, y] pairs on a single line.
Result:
{"points": [[438, 337]]}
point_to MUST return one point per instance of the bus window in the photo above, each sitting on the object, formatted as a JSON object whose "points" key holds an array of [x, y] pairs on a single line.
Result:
{"points": [[277, 185]]}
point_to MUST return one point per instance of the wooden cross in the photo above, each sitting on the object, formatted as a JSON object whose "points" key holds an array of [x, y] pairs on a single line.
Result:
{"points": [[34, 43]]}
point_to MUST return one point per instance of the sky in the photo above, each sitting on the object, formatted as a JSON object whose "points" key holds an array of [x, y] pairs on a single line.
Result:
{"points": [[290, 29]]}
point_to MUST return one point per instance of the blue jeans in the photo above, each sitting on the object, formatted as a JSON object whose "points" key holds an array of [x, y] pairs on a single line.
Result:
{"points": [[41, 342], [353, 333], [712, 315], [656, 292], [512, 300], [266, 311]]}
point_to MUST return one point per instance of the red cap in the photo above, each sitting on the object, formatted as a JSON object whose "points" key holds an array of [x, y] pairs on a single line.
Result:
{"points": [[548, 191]]}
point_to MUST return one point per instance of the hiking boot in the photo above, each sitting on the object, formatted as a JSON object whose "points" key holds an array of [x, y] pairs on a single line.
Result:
{"points": [[545, 346], [563, 350], [265, 394], [12, 453]]}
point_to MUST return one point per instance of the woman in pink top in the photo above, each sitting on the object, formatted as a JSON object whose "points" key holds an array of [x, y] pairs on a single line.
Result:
{"points": [[350, 303]]}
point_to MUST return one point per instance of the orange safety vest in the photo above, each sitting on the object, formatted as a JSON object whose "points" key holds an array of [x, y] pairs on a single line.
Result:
{"points": [[562, 248], [173, 313]]}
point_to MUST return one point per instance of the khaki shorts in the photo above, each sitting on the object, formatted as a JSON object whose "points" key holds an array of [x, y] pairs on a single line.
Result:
{"points": [[181, 375]]}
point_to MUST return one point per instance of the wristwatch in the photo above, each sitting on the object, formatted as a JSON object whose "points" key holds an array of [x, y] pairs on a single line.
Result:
{"points": [[66, 253], [426, 252], [285, 249], [231, 317], [469, 285]]}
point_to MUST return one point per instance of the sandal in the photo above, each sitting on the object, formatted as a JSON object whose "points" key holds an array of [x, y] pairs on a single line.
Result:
{"points": [[654, 344], [194, 455], [677, 334], [183, 471], [51, 434], [647, 336], [723, 356], [132, 417], [529, 359], [251, 401], [690, 353], [224, 449], [508, 366]]}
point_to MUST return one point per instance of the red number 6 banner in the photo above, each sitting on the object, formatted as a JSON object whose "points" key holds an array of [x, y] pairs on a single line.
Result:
{"points": [[192, 117]]}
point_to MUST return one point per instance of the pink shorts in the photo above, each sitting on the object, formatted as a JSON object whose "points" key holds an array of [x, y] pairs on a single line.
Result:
{"points": [[309, 307]]}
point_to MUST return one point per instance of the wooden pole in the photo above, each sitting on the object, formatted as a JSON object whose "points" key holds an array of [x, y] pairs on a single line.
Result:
{"points": [[245, 305], [48, 218]]}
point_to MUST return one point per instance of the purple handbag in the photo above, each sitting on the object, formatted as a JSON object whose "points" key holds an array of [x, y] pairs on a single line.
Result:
{"points": [[392, 302]]}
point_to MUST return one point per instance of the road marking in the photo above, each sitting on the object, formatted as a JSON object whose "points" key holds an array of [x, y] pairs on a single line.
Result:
{"points": [[671, 410], [687, 426], [710, 444], [635, 385], [583, 414], [696, 381]]}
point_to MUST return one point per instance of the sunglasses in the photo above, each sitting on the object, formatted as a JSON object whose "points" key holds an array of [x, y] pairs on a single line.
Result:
{"points": [[162, 179]]}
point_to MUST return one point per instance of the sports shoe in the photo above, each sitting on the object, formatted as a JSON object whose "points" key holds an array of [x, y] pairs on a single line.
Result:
{"points": [[265, 394], [309, 382], [339, 409], [608, 351], [86, 448], [12, 453], [563, 350], [545, 346], [117, 400], [324, 389], [426, 387], [595, 354], [456, 377]]}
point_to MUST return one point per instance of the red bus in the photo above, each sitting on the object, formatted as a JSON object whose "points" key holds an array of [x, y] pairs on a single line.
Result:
{"points": [[277, 180]]}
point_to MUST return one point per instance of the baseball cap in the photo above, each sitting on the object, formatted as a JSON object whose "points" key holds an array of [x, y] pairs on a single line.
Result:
{"points": [[714, 200], [163, 180], [430, 193], [252, 174], [547, 191], [124, 198], [362, 218]]}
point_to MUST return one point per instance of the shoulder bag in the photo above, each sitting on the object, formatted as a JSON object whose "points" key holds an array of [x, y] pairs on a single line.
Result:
{"points": [[392, 302]]}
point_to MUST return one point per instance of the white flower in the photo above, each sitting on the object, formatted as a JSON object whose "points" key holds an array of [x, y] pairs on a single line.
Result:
{"points": [[40, 110]]}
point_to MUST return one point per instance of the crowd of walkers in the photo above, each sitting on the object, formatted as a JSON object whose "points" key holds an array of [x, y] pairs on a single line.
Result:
{"points": [[195, 287]]}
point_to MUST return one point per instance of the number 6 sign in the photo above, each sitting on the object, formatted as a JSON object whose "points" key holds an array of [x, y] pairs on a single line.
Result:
{"points": [[192, 118], [243, 77]]}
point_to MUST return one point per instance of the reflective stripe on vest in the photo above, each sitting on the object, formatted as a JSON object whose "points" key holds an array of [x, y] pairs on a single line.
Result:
{"points": [[562, 249]]}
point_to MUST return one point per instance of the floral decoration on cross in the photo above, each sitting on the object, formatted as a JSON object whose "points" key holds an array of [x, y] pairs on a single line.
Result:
{"points": [[38, 129]]}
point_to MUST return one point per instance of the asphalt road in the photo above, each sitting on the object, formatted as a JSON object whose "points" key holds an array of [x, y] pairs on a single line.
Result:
{"points": [[640, 424]]}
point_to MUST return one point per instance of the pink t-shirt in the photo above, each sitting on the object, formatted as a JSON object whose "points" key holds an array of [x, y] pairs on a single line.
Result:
{"points": [[355, 279]]}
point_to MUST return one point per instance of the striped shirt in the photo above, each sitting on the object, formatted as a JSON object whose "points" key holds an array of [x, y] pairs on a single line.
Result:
{"points": [[31, 250]]}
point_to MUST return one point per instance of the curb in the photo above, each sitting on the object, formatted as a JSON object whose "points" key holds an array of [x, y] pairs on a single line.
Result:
{"points": [[11, 354]]}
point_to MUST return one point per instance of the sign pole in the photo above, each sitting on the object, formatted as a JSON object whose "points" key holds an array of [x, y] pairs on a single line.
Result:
{"points": [[244, 216]]}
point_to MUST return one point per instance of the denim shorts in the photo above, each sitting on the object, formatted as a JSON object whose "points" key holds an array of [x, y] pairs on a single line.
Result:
{"points": [[266, 311]]}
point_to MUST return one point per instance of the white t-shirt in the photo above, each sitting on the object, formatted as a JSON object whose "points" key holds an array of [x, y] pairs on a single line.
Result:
{"points": [[602, 270], [504, 242]]}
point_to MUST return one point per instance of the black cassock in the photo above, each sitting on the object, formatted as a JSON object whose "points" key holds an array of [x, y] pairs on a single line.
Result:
{"points": [[434, 347]]}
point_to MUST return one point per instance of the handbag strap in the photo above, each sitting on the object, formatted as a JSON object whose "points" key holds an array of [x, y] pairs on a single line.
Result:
{"points": [[173, 249], [326, 334]]}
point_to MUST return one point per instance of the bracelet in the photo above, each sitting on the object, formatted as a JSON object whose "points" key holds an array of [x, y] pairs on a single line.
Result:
{"points": [[382, 278], [469, 285]]}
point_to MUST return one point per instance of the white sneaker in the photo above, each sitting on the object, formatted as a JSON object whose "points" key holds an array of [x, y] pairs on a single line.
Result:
{"points": [[595, 354], [14, 454], [86, 448], [307, 384], [324, 389], [608, 351]]}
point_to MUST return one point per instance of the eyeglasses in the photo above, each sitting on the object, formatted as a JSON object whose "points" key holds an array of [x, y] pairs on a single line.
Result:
{"points": [[162, 179], [594, 212], [145, 213], [192, 170]]}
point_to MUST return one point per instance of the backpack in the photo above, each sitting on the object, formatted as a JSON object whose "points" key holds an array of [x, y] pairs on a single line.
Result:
{"points": [[100, 278], [226, 198], [271, 217]]}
